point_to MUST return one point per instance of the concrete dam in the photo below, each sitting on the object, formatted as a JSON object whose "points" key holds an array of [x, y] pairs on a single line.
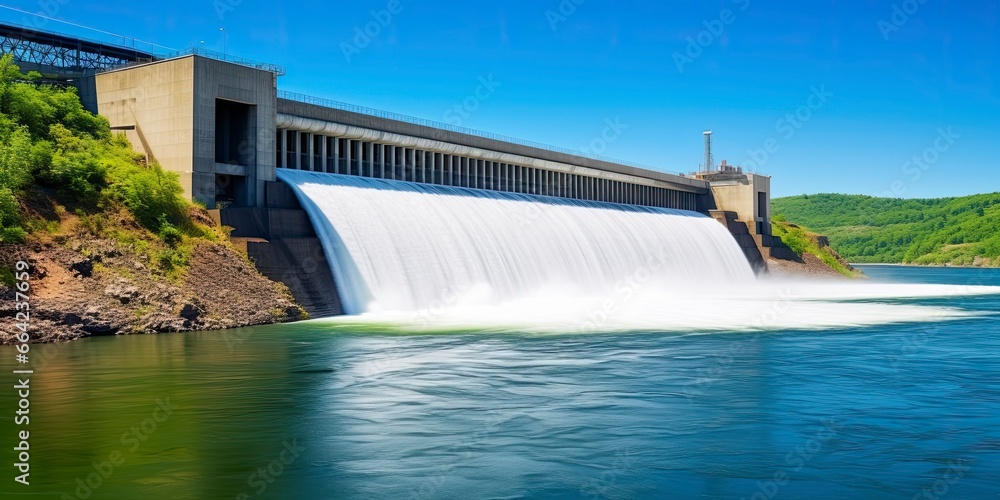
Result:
{"points": [[358, 209]]}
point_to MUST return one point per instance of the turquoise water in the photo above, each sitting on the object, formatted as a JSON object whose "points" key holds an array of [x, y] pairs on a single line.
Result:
{"points": [[899, 411]]}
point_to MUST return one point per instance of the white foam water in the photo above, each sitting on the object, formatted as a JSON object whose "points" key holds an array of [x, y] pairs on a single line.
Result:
{"points": [[428, 257]]}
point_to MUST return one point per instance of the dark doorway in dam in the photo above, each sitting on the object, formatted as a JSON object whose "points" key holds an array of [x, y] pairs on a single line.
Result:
{"points": [[234, 137], [762, 214], [230, 191]]}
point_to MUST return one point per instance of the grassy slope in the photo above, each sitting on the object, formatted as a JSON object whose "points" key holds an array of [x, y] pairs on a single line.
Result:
{"points": [[57, 158], [946, 231], [802, 241]]}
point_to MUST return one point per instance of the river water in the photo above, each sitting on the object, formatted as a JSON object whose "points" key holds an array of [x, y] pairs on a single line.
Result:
{"points": [[359, 409]]}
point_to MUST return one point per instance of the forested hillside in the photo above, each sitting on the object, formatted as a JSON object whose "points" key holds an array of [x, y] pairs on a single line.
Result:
{"points": [[961, 231]]}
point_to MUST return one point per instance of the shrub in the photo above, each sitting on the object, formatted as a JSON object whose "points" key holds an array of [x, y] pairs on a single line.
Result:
{"points": [[7, 277], [10, 218], [169, 233]]}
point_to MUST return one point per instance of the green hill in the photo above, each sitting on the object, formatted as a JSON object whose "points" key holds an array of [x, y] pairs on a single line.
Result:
{"points": [[944, 231]]}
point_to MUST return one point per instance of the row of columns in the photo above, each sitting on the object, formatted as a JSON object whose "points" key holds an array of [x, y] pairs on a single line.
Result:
{"points": [[318, 153]]}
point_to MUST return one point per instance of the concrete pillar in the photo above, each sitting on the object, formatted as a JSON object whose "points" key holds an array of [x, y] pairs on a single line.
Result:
{"points": [[346, 161], [297, 164]]}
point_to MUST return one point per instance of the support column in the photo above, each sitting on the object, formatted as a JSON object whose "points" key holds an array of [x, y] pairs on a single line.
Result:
{"points": [[347, 160]]}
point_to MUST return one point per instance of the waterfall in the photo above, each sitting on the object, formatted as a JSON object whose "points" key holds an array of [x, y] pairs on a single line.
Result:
{"points": [[403, 246]]}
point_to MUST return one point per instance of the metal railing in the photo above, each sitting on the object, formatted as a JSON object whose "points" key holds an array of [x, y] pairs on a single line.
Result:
{"points": [[210, 54], [353, 108]]}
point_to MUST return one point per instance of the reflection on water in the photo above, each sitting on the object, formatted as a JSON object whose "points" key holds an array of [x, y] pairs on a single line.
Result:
{"points": [[320, 410]]}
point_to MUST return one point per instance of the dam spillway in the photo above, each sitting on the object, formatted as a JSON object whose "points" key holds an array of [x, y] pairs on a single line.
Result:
{"points": [[227, 129], [401, 246]]}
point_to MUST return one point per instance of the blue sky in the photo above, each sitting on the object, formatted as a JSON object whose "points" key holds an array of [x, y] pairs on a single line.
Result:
{"points": [[844, 94]]}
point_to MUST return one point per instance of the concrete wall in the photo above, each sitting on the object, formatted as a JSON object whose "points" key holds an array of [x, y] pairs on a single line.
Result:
{"points": [[167, 109], [155, 104], [740, 195], [220, 80]]}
